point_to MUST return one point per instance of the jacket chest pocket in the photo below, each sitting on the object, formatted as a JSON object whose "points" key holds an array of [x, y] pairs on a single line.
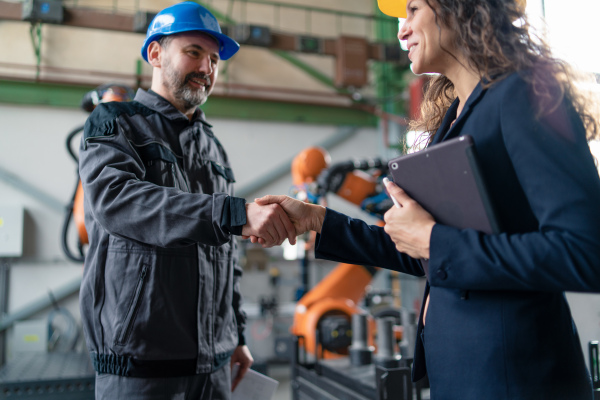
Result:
{"points": [[160, 164], [215, 177]]}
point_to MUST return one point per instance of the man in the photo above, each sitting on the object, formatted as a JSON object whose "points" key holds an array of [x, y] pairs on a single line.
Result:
{"points": [[160, 298]]}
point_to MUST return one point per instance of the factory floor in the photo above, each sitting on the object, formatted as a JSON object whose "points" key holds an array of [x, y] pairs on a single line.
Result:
{"points": [[281, 373]]}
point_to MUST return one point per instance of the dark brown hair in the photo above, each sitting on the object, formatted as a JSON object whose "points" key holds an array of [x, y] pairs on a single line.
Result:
{"points": [[497, 40]]}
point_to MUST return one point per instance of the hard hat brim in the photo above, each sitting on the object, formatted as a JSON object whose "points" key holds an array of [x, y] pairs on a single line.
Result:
{"points": [[227, 46], [393, 8]]}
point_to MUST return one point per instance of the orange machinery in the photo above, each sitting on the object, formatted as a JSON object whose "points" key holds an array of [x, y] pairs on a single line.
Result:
{"points": [[101, 94], [327, 308]]}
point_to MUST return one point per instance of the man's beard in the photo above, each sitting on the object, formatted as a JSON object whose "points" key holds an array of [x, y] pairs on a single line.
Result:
{"points": [[188, 96]]}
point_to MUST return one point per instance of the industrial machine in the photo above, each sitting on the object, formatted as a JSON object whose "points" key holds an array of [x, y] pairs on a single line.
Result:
{"points": [[343, 349], [339, 293]]}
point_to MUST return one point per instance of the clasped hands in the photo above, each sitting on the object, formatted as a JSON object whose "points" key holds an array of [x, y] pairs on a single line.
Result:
{"points": [[272, 219], [409, 226]]}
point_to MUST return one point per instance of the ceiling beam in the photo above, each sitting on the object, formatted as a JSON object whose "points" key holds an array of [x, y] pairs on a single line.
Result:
{"points": [[95, 19], [218, 106]]}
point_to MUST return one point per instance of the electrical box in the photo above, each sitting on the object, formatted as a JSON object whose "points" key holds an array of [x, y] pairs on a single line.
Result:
{"points": [[11, 231], [141, 21], [253, 35], [48, 11], [352, 54], [30, 335]]}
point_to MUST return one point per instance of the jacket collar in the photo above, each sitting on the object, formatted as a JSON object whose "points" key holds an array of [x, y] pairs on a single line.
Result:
{"points": [[157, 103], [446, 129]]}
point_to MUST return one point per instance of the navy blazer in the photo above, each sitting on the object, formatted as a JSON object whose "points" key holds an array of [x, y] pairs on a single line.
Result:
{"points": [[498, 323]]}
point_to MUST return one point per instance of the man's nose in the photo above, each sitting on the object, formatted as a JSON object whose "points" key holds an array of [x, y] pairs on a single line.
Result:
{"points": [[206, 65]]}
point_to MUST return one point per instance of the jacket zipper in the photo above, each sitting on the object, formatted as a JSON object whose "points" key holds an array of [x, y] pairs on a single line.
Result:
{"points": [[174, 176], [214, 296], [128, 324]]}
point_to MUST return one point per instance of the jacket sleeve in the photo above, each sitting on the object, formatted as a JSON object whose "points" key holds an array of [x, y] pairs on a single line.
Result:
{"points": [[555, 169], [126, 206], [353, 241]]}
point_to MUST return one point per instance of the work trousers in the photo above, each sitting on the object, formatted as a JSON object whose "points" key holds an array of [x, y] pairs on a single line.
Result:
{"points": [[211, 386]]}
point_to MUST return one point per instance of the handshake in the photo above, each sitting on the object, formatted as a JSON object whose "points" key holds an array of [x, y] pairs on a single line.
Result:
{"points": [[272, 219]]}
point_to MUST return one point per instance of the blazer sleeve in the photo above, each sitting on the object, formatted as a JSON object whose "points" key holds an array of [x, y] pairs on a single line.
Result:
{"points": [[353, 241], [556, 171]]}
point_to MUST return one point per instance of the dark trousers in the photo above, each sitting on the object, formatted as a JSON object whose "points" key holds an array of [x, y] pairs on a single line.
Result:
{"points": [[211, 386]]}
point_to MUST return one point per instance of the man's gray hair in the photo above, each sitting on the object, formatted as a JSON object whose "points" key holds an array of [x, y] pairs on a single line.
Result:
{"points": [[165, 40]]}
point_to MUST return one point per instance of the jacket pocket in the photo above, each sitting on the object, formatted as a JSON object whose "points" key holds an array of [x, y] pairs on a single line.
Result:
{"points": [[214, 177], [124, 332], [223, 171], [160, 163]]}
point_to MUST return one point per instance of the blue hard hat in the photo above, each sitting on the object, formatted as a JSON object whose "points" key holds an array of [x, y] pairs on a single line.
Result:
{"points": [[185, 17]]}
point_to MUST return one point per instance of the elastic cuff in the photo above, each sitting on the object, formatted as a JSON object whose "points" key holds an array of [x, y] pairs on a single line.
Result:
{"points": [[241, 339], [234, 215]]}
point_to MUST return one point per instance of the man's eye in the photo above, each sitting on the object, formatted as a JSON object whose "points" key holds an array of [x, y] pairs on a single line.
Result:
{"points": [[193, 53]]}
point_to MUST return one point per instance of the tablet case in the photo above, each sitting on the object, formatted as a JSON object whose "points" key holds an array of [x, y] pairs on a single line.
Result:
{"points": [[446, 181]]}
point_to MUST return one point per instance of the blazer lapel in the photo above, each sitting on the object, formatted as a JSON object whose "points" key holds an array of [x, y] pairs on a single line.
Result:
{"points": [[445, 127], [447, 130]]}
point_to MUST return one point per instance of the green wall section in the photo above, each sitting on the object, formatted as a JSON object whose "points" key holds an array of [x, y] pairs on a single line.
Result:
{"points": [[219, 107], [47, 94], [69, 96]]}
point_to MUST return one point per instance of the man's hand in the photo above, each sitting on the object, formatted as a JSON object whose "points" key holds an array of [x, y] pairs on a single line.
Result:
{"points": [[269, 223], [408, 225], [241, 355], [305, 217]]}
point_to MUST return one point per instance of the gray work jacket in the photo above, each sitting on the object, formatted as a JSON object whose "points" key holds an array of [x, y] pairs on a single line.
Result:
{"points": [[160, 292]]}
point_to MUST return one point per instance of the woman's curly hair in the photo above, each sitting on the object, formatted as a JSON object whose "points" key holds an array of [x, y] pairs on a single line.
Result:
{"points": [[497, 40]]}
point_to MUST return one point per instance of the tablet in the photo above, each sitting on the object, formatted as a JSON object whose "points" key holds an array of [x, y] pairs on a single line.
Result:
{"points": [[445, 180]]}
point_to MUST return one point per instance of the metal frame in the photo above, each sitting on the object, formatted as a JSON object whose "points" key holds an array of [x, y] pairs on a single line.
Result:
{"points": [[337, 379], [48, 376]]}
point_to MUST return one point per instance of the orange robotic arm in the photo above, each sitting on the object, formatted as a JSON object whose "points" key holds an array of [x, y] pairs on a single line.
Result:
{"points": [[327, 308], [101, 94]]}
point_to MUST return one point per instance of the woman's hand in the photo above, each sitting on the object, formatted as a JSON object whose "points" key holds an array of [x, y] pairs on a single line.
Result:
{"points": [[409, 225]]}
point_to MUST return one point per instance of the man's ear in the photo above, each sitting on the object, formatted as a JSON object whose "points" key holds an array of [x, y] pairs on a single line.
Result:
{"points": [[154, 54]]}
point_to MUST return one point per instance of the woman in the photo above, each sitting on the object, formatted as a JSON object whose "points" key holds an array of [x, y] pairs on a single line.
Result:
{"points": [[498, 325]]}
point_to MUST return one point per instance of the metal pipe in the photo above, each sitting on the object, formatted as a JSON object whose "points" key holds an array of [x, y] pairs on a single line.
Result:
{"points": [[27, 188], [360, 351], [386, 356], [4, 288], [34, 307]]}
